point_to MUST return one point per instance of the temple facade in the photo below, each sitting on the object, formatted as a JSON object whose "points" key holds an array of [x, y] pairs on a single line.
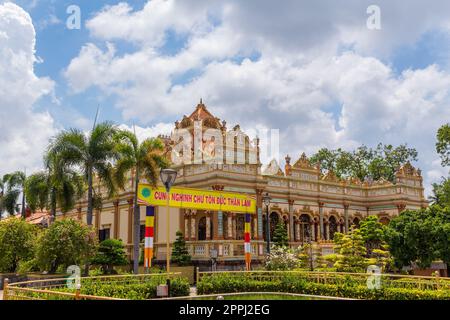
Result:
{"points": [[311, 205]]}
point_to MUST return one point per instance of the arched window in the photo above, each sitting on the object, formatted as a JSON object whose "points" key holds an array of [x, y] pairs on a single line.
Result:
{"points": [[332, 224]]}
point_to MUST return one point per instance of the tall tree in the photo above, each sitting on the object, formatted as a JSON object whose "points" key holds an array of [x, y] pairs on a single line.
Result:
{"points": [[441, 193], [373, 233], [412, 238], [443, 144], [365, 163], [93, 154], [2, 195], [145, 159], [280, 235], [15, 186], [59, 185]]}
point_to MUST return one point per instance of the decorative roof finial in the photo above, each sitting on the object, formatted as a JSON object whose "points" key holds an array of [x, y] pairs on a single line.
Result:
{"points": [[201, 100]]}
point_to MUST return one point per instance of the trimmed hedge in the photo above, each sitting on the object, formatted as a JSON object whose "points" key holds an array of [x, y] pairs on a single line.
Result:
{"points": [[140, 290], [229, 283]]}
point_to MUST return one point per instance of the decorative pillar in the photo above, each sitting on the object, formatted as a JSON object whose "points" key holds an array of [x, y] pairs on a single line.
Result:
{"points": [[193, 212], [220, 224], [297, 231], [322, 230], [229, 226], [116, 219], [291, 220], [346, 217], [218, 219], [313, 231], [208, 225], [259, 213], [234, 226], [255, 227], [327, 230], [130, 221], [186, 225]]}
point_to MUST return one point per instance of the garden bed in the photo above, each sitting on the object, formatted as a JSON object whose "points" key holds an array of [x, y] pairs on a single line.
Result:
{"points": [[347, 287]]}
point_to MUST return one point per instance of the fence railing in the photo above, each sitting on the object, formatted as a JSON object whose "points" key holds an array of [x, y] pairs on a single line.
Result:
{"points": [[386, 280], [54, 289]]}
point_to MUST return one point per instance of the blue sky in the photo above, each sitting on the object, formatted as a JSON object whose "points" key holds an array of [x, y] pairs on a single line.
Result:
{"points": [[56, 45], [313, 70]]}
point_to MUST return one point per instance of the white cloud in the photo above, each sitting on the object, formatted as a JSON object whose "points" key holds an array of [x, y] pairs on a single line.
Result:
{"points": [[303, 82], [24, 131], [149, 132]]}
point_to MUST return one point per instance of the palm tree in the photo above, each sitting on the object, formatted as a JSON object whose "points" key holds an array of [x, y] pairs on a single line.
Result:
{"points": [[93, 154], [146, 159], [2, 196], [15, 185], [59, 185]]}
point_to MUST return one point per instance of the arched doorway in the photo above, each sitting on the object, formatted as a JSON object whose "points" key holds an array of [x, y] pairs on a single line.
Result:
{"points": [[274, 219], [355, 223], [240, 227], [332, 224], [305, 232], [202, 229]]}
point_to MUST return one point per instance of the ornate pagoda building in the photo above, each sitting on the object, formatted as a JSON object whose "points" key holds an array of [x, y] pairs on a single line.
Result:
{"points": [[313, 206]]}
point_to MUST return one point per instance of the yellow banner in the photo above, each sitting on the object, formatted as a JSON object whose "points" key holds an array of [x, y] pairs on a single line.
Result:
{"points": [[196, 199]]}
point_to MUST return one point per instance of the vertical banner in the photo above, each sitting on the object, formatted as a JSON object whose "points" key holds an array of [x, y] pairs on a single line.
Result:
{"points": [[149, 233], [247, 247]]}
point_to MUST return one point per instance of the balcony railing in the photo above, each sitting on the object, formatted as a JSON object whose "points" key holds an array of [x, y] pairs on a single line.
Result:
{"points": [[225, 249]]}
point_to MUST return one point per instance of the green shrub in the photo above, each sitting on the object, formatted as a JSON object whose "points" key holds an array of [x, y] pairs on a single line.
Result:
{"points": [[64, 243], [135, 289], [339, 286], [111, 252], [17, 243]]}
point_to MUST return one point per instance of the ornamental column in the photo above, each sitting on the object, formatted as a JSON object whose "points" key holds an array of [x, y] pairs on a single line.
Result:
{"points": [[291, 220], [346, 216], [313, 231], [297, 231], [116, 219], [193, 213], [230, 226], [234, 226], [186, 225], [218, 219], [327, 230], [255, 227], [322, 230], [259, 213], [130, 220], [208, 225]]}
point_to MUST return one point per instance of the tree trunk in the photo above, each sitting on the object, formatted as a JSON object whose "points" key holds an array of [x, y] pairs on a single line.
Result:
{"points": [[89, 213], [23, 203], [136, 226], [53, 205], [90, 199]]}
